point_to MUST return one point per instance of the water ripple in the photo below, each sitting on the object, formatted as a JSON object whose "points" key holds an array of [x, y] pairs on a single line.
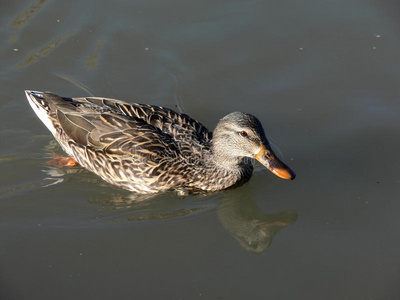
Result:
{"points": [[23, 18], [44, 51]]}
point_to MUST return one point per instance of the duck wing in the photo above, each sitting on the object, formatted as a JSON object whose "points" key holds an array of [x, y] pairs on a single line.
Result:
{"points": [[122, 128], [180, 127], [117, 135]]}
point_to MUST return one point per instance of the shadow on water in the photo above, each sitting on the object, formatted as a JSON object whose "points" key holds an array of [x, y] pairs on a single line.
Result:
{"points": [[249, 225], [240, 216]]}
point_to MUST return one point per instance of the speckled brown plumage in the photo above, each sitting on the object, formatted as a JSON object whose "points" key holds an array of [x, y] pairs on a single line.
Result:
{"points": [[143, 148]]}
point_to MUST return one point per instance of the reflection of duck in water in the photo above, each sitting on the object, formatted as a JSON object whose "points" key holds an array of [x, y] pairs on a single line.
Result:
{"points": [[148, 149], [251, 227]]}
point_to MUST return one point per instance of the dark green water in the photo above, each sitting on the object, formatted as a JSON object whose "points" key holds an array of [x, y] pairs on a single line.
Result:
{"points": [[322, 77]]}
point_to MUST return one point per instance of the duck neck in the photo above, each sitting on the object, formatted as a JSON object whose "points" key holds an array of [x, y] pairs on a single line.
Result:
{"points": [[227, 163], [223, 161], [223, 171]]}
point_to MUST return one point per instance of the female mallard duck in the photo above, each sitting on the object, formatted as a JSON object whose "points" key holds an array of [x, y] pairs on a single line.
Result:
{"points": [[148, 149]]}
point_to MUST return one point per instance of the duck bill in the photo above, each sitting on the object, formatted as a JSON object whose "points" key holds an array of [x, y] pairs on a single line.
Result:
{"points": [[273, 163]]}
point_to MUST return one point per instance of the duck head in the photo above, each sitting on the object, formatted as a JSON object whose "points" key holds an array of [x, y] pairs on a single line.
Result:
{"points": [[239, 135]]}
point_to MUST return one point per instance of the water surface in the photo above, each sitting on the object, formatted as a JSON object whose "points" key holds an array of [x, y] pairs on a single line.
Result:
{"points": [[322, 77]]}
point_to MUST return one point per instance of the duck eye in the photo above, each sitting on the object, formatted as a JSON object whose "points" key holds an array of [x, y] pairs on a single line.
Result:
{"points": [[243, 133]]}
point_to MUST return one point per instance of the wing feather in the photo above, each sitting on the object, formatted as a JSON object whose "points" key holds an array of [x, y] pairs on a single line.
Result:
{"points": [[141, 130]]}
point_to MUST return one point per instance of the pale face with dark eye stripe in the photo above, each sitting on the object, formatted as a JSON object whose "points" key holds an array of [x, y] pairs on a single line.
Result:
{"points": [[240, 135]]}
